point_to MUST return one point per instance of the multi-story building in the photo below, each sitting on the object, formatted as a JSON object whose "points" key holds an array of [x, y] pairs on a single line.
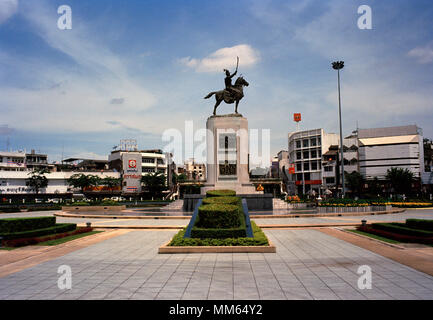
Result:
{"points": [[132, 165], [36, 160], [12, 161], [194, 171], [381, 149], [331, 162], [22, 161], [305, 154]]}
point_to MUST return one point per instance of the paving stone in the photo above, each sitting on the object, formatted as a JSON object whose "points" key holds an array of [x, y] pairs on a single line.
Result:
{"points": [[308, 265]]}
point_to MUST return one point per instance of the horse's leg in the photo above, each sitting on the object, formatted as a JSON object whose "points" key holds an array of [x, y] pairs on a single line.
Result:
{"points": [[236, 109], [216, 106]]}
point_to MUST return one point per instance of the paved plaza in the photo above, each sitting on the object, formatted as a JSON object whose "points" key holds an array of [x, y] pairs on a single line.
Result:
{"points": [[309, 264]]}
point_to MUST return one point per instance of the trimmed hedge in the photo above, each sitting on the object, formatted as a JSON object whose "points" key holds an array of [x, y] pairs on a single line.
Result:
{"points": [[221, 233], [58, 228], [25, 224], [420, 224], [218, 216], [225, 200], [35, 240], [401, 228], [221, 193], [259, 239]]}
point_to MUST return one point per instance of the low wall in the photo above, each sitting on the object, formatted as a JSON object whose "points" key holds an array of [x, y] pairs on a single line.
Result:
{"points": [[93, 208], [352, 209], [254, 201], [300, 205]]}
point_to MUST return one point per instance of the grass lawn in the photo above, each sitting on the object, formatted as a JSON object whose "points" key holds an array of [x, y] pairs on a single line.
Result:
{"points": [[374, 236], [66, 239]]}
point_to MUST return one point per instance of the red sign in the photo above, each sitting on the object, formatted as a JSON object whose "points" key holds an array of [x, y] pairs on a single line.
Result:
{"points": [[292, 168], [132, 163], [297, 117], [298, 183]]}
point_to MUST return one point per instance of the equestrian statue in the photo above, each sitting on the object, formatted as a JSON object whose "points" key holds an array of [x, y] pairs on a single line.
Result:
{"points": [[231, 93]]}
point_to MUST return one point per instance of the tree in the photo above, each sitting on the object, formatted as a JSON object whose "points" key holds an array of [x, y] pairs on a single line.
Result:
{"points": [[154, 182], [400, 180], [374, 187], [355, 182], [37, 179], [83, 181], [179, 178], [111, 182]]}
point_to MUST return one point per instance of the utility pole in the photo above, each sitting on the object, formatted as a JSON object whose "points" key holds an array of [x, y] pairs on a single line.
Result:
{"points": [[338, 65]]}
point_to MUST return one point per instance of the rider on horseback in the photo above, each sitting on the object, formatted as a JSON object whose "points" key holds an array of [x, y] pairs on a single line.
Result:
{"points": [[228, 81]]}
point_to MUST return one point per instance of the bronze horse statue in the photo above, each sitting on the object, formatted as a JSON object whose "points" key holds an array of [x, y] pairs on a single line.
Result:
{"points": [[230, 97]]}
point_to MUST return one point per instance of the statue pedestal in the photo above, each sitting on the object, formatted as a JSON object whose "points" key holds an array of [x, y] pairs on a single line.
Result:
{"points": [[227, 154]]}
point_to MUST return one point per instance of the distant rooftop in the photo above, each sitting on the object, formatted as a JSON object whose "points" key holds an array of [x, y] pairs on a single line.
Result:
{"points": [[388, 132]]}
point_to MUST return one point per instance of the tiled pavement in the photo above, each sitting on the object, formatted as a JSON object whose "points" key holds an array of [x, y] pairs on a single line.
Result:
{"points": [[418, 214], [308, 265]]}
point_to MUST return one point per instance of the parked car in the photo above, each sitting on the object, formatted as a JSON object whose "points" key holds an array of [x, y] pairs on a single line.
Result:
{"points": [[118, 199]]}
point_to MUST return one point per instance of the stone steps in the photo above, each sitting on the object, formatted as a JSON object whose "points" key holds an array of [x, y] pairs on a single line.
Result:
{"points": [[176, 205]]}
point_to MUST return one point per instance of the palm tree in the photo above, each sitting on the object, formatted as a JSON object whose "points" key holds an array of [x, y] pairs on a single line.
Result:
{"points": [[111, 182], [83, 181], [400, 179], [38, 180], [154, 182]]}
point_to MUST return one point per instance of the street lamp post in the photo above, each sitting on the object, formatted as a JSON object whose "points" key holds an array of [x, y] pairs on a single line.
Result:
{"points": [[338, 65]]}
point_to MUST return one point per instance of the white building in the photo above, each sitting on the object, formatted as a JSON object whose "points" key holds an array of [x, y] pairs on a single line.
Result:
{"points": [[305, 153], [381, 149], [15, 182]]}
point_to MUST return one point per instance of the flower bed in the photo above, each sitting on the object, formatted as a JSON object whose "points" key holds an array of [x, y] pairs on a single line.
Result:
{"points": [[414, 230]]}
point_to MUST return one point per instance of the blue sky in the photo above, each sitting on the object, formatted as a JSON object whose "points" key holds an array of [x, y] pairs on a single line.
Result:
{"points": [[132, 69]]}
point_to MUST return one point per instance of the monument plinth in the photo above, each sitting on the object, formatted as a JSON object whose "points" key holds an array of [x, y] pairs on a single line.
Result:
{"points": [[227, 154]]}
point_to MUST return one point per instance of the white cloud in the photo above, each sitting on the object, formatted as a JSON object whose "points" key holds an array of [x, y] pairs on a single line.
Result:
{"points": [[422, 54], [224, 58], [81, 98], [7, 9]]}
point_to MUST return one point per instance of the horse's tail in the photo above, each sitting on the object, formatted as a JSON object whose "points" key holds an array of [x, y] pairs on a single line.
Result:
{"points": [[210, 95]]}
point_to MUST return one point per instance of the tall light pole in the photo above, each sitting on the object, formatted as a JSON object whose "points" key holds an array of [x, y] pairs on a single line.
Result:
{"points": [[338, 65]]}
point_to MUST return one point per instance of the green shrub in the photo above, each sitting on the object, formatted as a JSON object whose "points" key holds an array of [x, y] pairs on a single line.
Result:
{"points": [[24, 224], [221, 193], [221, 233], [259, 239], [401, 228], [215, 233], [421, 224], [58, 228], [10, 209], [224, 200], [218, 216], [110, 203]]}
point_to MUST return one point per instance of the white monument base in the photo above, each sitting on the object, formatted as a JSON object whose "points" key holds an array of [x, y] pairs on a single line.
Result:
{"points": [[227, 154]]}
